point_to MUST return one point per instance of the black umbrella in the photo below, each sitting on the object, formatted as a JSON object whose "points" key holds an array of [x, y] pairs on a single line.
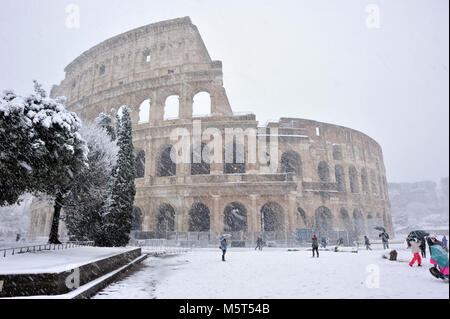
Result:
{"points": [[420, 234], [380, 229]]}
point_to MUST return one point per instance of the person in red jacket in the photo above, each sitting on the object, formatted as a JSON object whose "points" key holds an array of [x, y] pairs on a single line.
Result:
{"points": [[414, 245]]}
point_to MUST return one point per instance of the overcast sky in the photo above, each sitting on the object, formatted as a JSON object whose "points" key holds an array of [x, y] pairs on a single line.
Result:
{"points": [[309, 59]]}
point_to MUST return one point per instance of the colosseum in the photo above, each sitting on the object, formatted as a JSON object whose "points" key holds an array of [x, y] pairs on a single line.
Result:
{"points": [[307, 176]]}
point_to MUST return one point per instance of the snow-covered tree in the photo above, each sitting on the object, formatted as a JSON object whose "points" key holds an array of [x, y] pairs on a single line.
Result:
{"points": [[103, 120], [84, 205], [40, 148], [119, 213]]}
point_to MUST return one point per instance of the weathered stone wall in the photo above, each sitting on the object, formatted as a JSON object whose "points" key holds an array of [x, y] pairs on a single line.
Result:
{"points": [[310, 197]]}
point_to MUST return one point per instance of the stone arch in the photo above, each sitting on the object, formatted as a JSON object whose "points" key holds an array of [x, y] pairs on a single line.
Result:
{"points": [[302, 219], [324, 221], [201, 104], [272, 217], [340, 178], [235, 217], [199, 218], [200, 160], [323, 170], [353, 177], [165, 220], [364, 181], [140, 164], [291, 163], [136, 224], [165, 166], [172, 107], [358, 218], [144, 111], [234, 159]]}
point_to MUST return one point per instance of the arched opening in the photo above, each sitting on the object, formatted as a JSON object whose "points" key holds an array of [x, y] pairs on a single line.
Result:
{"points": [[364, 181], [172, 107], [199, 218], [200, 160], [340, 178], [291, 163], [166, 167], [360, 228], [353, 176], [323, 221], [136, 224], [165, 220], [144, 112], [324, 172], [140, 164], [302, 220], [235, 217], [234, 159], [202, 104], [272, 217]]}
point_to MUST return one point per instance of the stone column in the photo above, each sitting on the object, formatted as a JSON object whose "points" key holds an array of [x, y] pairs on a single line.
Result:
{"points": [[216, 221], [254, 213], [292, 211]]}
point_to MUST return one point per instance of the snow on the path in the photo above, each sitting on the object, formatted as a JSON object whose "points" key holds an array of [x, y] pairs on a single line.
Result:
{"points": [[277, 273], [51, 261]]}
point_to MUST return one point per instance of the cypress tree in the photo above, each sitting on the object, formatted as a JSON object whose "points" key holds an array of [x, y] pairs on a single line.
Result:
{"points": [[118, 217]]}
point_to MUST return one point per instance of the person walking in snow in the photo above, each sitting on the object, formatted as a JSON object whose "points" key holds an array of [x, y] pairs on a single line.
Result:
{"points": [[340, 241], [367, 243], [223, 247], [323, 243], [259, 243], [315, 246], [385, 239], [414, 245]]}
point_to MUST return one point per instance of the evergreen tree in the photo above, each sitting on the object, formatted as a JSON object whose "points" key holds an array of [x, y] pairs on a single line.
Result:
{"points": [[85, 202], [118, 217], [103, 120]]}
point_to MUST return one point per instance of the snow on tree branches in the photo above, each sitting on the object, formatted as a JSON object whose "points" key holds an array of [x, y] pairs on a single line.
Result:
{"points": [[40, 147], [118, 216]]}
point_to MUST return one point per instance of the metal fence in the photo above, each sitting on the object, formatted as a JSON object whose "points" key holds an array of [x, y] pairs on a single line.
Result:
{"points": [[40, 247]]}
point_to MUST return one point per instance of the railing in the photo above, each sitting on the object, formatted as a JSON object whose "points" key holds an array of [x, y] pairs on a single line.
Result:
{"points": [[26, 249]]}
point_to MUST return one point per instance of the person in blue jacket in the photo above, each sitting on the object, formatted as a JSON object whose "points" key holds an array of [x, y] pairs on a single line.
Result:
{"points": [[223, 247]]}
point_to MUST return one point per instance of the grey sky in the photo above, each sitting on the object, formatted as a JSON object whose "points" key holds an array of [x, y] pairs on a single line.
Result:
{"points": [[310, 59]]}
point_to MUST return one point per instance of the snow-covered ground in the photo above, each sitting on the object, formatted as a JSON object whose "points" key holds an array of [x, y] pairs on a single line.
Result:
{"points": [[278, 273], [51, 261]]}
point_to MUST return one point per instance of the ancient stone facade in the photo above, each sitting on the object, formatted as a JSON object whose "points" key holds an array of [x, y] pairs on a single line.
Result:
{"points": [[328, 178]]}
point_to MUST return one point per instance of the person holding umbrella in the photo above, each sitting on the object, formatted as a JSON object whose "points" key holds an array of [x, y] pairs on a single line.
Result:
{"points": [[385, 239]]}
